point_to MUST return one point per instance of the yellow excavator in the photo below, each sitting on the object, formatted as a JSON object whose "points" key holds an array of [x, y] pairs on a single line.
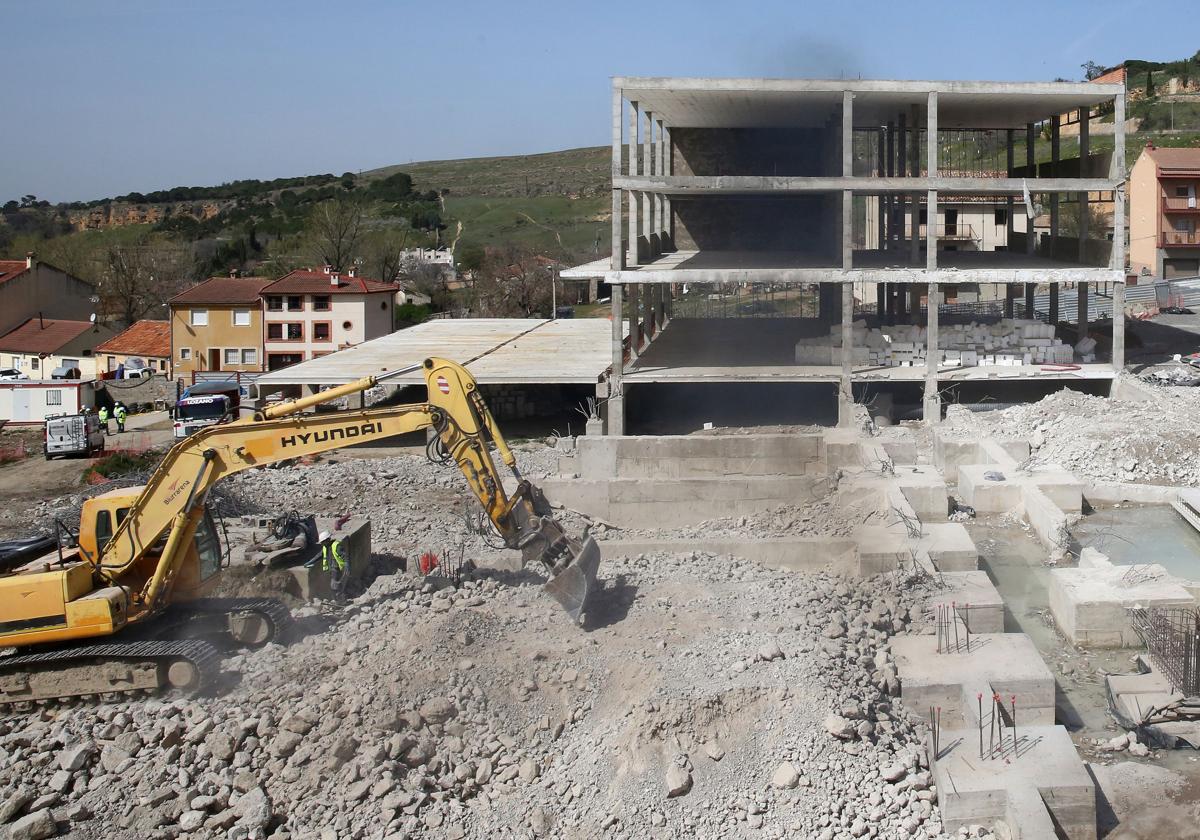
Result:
{"points": [[126, 608]]}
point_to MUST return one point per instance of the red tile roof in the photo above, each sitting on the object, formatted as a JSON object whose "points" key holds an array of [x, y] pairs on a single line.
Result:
{"points": [[11, 268], [1175, 158], [305, 282], [144, 338], [222, 290], [43, 335]]}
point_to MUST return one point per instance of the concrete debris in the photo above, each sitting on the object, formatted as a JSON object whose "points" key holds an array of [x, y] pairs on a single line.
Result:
{"points": [[1150, 441], [786, 776]]}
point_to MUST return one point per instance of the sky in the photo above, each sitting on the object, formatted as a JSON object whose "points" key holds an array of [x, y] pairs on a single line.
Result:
{"points": [[104, 98]]}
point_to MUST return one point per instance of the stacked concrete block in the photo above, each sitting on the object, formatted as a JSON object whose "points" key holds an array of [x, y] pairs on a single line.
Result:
{"points": [[1011, 342]]}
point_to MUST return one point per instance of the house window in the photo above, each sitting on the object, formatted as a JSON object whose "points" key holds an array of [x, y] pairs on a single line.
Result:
{"points": [[16, 362], [231, 357], [321, 303], [199, 317], [1001, 216], [185, 354], [112, 362], [33, 362], [1181, 192], [54, 396], [274, 332], [250, 356], [295, 332], [321, 331], [275, 303], [1183, 225], [241, 317], [295, 303]]}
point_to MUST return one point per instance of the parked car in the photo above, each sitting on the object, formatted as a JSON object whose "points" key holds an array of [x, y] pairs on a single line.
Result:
{"points": [[12, 375]]}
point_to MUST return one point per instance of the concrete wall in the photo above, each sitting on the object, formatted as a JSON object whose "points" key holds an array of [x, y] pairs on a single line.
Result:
{"points": [[47, 290], [693, 456]]}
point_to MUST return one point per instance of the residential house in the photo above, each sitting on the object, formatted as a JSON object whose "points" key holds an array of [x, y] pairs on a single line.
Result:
{"points": [[147, 341], [1164, 213], [40, 346], [29, 288], [217, 325], [311, 313]]}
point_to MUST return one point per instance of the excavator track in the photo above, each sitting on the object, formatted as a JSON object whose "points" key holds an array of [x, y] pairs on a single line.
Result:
{"points": [[107, 670], [251, 622]]}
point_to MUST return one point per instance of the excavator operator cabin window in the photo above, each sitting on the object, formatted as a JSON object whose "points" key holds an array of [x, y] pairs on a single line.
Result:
{"points": [[208, 547], [104, 529]]}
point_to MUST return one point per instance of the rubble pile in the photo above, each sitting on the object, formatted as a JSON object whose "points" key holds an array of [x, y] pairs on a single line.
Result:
{"points": [[1151, 441], [1010, 342]]}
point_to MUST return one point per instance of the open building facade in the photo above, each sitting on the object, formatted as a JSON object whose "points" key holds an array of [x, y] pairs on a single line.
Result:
{"points": [[790, 240]]}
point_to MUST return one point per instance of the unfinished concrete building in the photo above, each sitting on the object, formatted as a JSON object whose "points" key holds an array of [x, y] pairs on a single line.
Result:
{"points": [[742, 262]]}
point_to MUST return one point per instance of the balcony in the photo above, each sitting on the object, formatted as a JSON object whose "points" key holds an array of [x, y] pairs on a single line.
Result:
{"points": [[1178, 239], [1176, 204], [954, 232]]}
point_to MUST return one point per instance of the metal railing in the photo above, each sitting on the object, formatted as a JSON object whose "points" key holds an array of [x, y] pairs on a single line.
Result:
{"points": [[945, 231], [1177, 238]]}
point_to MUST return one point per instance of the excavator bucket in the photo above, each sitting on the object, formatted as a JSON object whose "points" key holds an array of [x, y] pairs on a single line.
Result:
{"points": [[571, 586]]}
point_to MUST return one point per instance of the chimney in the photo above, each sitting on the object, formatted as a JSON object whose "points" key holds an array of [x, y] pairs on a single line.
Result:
{"points": [[41, 322], [1150, 145], [328, 268], [30, 259], [333, 279], [233, 272], [353, 272]]}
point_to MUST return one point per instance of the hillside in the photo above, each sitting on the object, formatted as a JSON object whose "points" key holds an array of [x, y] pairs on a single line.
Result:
{"points": [[572, 173]]}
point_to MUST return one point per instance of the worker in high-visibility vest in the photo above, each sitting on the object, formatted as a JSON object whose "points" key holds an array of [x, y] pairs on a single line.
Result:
{"points": [[102, 415], [333, 560], [120, 413]]}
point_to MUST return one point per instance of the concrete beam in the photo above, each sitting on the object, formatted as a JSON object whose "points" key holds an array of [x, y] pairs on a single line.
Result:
{"points": [[1083, 91], [689, 185], [901, 275]]}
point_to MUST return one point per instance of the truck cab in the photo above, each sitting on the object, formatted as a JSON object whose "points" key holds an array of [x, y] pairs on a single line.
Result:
{"points": [[206, 404]]}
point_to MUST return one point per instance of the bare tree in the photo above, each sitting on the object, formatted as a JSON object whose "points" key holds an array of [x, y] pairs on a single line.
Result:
{"points": [[513, 283], [335, 229], [384, 252], [139, 277]]}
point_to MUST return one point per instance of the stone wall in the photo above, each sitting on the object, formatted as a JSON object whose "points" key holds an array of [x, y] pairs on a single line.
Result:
{"points": [[130, 391]]}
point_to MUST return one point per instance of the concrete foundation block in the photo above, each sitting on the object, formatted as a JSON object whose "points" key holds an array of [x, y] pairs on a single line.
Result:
{"points": [[974, 597], [950, 452], [1089, 603], [1039, 789], [984, 495], [926, 492], [1007, 664], [949, 546], [1062, 488], [309, 582], [881, 549]]}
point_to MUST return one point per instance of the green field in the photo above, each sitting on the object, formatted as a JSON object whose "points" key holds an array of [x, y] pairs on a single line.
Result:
{"points": [[554, 224], [572, 172]]}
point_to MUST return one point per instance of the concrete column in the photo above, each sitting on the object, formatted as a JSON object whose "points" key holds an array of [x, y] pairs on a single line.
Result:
{"points": [[931, 168], [890, 201], [901, 167], [1054, 303], [932, 403], [1055, 160], [1117, 171], [915, 170], [1030, 288], [648, 198], [1030, 164], [881, 199], [660, 307], [931, 212], [635, 210], [615, 404], [1118, 325], [617, 260], [845, 388], [1085, 148], [1083, 316], [660, 161], [1008, 202], [635, 320]]}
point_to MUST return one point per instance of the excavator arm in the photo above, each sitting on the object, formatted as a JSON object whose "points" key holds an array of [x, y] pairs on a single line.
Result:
{"points": [[465, 433]]}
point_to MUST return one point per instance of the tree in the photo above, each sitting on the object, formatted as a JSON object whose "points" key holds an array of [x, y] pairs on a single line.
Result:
{"points": [[335, 228], [512, 283], [139, 277], [1092, 70], [383, 252]]}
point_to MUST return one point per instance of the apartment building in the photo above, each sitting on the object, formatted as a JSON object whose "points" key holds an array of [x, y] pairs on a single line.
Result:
{"points": [[1164, 213], [735, 236], [308, 314], [217, 325]]}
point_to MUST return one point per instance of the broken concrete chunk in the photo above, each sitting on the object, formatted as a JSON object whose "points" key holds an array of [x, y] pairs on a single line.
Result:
{"points": [[679, 781], [786, 776]]}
